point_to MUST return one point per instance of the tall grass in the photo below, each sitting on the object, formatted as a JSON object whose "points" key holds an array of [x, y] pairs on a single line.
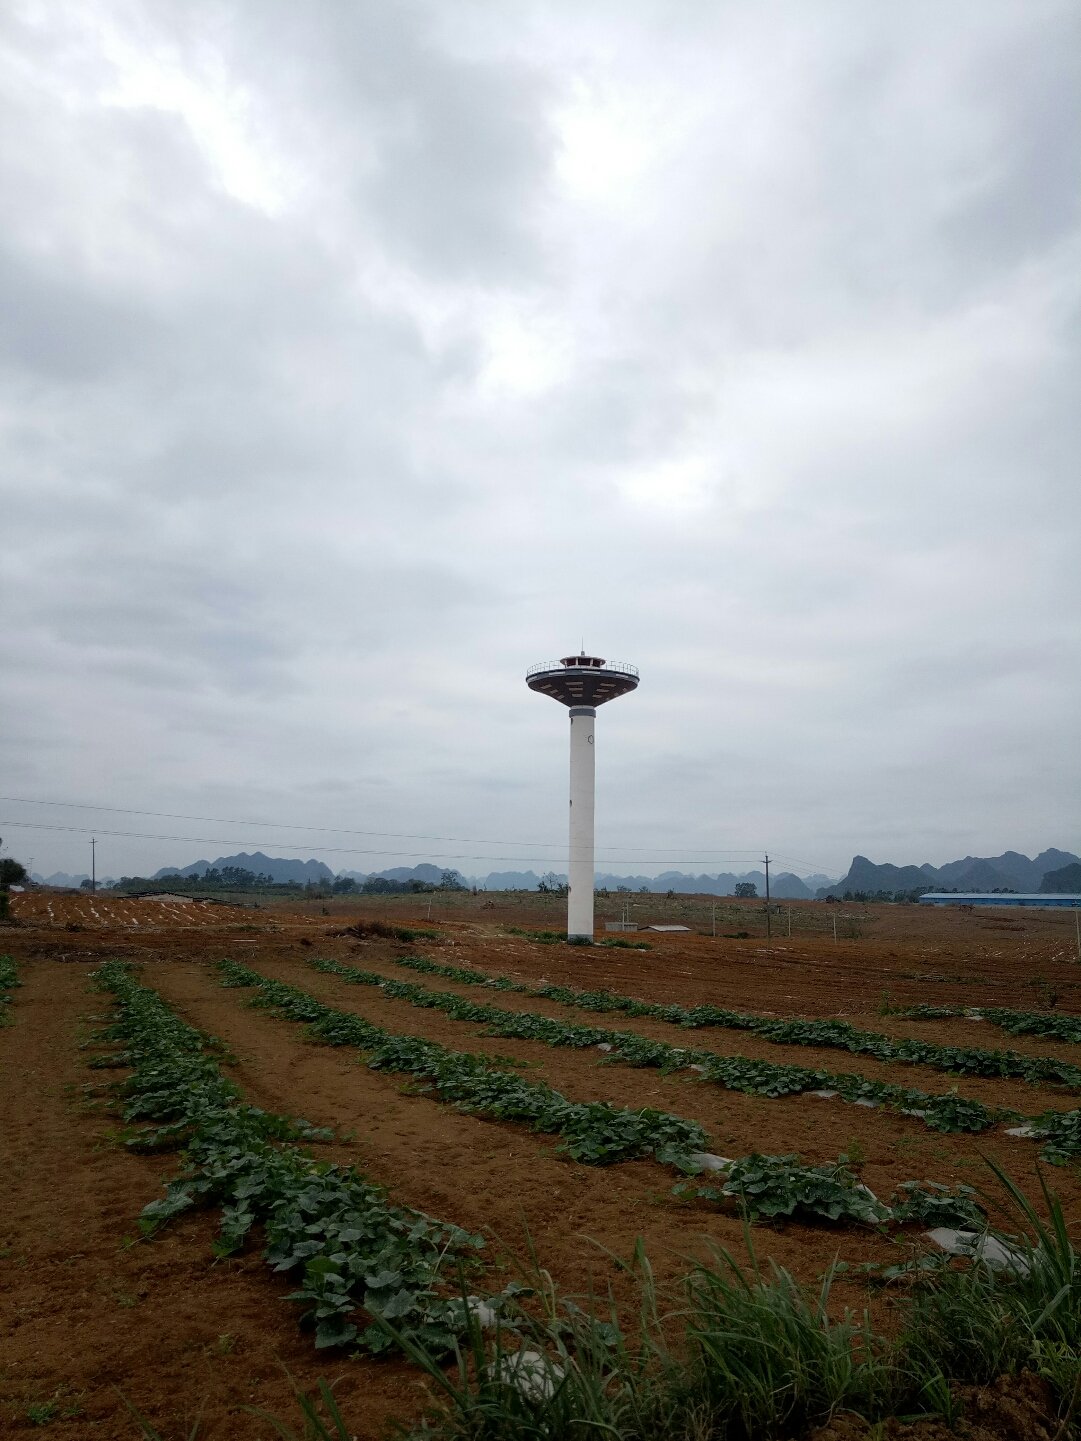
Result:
{"points": [[726, 1355], [735, 1355], [729, 1354], [978, 1323]]}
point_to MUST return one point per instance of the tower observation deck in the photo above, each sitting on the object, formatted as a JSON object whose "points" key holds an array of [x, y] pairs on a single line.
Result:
{"points": [[582, 679], [582, 683]]}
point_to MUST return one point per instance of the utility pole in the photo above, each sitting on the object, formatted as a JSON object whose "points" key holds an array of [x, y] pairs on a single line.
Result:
{"points": [[768, 931], [93, 866]]}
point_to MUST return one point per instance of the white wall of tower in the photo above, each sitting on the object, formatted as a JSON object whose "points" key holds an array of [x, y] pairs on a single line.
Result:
{"points": [[582, 805]]}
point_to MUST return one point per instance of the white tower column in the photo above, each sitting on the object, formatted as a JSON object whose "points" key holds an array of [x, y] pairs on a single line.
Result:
{"points": [[583, 790]]}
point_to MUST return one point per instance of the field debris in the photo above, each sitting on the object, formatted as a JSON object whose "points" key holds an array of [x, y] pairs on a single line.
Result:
{"points": [[982, 1246], [532, 1373], [708, 1161]]}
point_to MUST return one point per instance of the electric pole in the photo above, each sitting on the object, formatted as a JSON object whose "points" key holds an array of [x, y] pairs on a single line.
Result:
{"points": [[768, 932], [93, 866]]}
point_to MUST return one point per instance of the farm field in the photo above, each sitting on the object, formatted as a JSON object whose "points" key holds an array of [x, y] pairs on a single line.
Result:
{"points": [[96, 1316]]}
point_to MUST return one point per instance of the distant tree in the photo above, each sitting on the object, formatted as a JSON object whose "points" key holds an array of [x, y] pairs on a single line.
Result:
{"points": [[87, 885], [238, 877], [451, 881], [746, 890], [12, 873], [343, 885], [380, 886]]}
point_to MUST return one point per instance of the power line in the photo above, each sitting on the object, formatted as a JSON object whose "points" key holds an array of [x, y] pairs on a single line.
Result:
{"points": [[334, 850], [711, 858], [274, 825]]}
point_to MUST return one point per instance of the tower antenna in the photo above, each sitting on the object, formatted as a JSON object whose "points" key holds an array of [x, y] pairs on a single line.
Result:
{"points": [[582, 683]]}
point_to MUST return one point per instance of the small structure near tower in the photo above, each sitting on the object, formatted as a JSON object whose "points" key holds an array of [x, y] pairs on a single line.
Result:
{"points": [[581, 683]]}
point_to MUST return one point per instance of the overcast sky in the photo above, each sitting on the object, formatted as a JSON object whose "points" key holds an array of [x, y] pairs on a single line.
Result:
{"points": [[354, 357]]}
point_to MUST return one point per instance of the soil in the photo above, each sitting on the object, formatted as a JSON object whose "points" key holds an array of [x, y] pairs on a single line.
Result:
{"points": [[1013, 1408], [97, 1321]]}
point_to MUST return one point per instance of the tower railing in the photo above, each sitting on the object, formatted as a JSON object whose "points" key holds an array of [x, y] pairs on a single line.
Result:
{"points": [[620, 667]]}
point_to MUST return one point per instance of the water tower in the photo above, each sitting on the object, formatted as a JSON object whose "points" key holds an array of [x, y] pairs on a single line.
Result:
{"points": [[581, 683]]}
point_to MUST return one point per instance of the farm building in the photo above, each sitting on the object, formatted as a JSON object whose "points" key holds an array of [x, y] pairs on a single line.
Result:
{"points": [[975, 898]]}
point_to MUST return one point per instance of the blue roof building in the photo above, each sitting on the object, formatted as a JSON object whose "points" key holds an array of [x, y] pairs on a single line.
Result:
{"points": [[977, 898]]}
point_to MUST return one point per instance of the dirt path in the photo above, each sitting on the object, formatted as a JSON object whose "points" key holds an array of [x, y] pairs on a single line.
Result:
{"points": [[87, 1315]]}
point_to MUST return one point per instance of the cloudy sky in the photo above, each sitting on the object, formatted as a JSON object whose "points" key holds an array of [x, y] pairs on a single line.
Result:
{"points": [[354, 357]]}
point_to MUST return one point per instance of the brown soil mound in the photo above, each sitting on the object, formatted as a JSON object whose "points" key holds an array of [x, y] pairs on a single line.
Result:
{"points": [[1013, 1408]]}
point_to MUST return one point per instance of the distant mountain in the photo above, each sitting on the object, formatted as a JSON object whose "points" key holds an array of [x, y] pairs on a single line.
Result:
{"points": [[1065, 881], [1009, 871], [784, 886], [510, 881], [430, 874], [1053, 860], [424, 872], [61, 878], [197, 868], [275, 867], [984, 873], [986, 876], [865, 875], [789, 887]]}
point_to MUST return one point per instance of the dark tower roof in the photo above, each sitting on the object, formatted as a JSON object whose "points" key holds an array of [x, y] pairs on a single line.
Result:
{"points": [[582, 679]]}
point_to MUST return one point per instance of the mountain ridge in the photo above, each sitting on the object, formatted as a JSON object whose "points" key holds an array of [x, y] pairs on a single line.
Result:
{"points": [[1011, 871]]}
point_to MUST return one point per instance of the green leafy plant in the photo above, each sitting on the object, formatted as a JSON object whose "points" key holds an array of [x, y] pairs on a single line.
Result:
{"points": [[350, 1249], [939, 1112], [9, 980], [1051, 1026], [931, 1204], [597, 1132], [40, 1413], [773, 1186], [795, 1031]]}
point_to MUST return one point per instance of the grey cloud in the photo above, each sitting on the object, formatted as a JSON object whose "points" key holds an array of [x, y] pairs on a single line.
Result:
{"points": [[329, 404], [442, 153]]}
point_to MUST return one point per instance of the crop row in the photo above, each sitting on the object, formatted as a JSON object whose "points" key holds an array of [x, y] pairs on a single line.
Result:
{"points": [[771, 1079], [793, 1031], [1017, 1023], [9, 979], [594, 1132], [1060, 1131], [599, 1133], [326, 1224]]}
